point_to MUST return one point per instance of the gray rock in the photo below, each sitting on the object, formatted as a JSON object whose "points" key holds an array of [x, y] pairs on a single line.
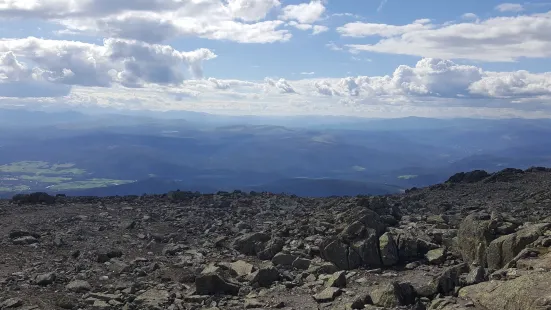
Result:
{"points": [[328, 294], [474, 236], [45, 279], [11, 303], [476, 275], [211, 284], [436, 256], [265, 277], [270, 248], [153, 299], [336, 252], [79, 286], [505, 248], [283, 259], [241, 268], [301, 263], [393, 295], [388, 250], [338, 279], [25, 240], [248, 244], [173, 249]]}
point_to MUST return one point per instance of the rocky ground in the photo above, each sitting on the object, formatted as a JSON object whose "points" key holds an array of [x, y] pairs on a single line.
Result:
{"points": [[477, 242]]}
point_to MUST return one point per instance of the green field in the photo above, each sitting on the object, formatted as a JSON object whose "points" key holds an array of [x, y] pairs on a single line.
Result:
{"points": [[17, 188], [407, 177], [40, 168], [86, 184], [39, 175]]}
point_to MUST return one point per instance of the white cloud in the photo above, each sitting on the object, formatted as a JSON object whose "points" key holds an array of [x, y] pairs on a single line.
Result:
{"points": [[252, 10], [316, 29], [306, 13], [308, 73], [282, 85], [130, 63], [510, 7], [359, 29], [156, 28], [155, 21], [319, 29], [494, 39], [471, 16], [333, 46], [432, 87]]}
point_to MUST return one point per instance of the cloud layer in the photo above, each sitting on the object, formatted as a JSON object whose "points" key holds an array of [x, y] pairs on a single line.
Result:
{"points": [[495, 39], [121, 53]]}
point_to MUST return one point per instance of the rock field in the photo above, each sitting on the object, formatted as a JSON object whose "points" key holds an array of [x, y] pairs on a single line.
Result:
{"points": [[478, 241]]}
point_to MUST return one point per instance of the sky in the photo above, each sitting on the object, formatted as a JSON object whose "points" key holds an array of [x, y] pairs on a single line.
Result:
{"points": [[367, 58]]}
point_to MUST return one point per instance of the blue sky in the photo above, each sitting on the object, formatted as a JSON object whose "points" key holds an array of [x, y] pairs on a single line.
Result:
{"points": [[348, 57]]}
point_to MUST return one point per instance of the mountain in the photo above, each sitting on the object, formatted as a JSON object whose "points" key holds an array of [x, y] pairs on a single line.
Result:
{"points": [[307, 187], [67, 150]]}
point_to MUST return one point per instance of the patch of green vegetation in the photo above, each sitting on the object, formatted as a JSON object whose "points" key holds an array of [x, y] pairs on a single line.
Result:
{"points": [[407, 177], [87, 184], [40, 168], [44, 179], [16, 188]]}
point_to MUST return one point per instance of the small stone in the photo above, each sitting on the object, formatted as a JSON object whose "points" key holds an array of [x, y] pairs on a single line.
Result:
{"points": [[436, 256], [252, 304], [265, 277], [338, 279], [283, 259], [45, 279], [11, 303], [79, 286], [301, 263], [241, 268], [328, 294]]}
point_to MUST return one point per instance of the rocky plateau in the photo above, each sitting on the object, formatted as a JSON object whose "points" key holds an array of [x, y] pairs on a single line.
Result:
{"points": [[478, 241]]}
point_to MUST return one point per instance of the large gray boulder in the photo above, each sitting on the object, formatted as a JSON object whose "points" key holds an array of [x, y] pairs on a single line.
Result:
{"points": [[503, 249], [473, 238]]}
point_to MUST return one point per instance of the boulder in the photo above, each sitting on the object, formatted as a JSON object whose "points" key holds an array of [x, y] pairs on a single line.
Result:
{"points": [[268, 250], [503, 249], [79, 286], [283, 259], [338, 279], [328, 294], [153, 299], [212, 284], [393, 295], [388, 250], [473, 238], [527, 292], [250, 244], [436, 256], [265, 277]]}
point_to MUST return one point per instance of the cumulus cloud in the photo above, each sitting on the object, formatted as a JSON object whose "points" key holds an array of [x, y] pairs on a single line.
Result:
{"points": [[282, 85], [510, 7], [306, 13], [316, 29], [495, 39], [252, 10], [157, 28], [131, 63], [470, 16], [359, 29], [155, 21], [432, 87]]}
